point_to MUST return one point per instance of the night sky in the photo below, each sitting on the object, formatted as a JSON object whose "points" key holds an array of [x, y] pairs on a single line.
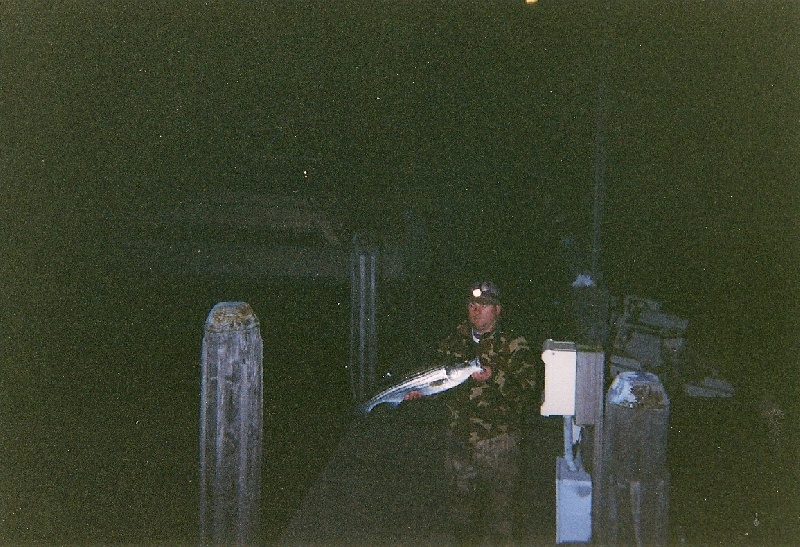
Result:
{"points": [[481, 118]]}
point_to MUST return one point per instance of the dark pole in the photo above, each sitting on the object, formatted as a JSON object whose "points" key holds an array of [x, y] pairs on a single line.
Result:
{"points": [[600, 150], [599, 178]]}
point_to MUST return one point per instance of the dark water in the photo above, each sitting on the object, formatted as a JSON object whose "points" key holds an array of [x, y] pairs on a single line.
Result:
{"points": [[731, 480]]}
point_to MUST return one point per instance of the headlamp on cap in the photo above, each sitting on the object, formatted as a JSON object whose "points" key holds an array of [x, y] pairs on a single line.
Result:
{"points": [[485, 292]]}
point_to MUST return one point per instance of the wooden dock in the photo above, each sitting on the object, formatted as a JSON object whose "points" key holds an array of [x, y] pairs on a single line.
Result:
{"points": [[385, 484]]}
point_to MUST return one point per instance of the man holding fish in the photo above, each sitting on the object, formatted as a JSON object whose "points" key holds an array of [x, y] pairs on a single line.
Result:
{"points": [[487, 414]]}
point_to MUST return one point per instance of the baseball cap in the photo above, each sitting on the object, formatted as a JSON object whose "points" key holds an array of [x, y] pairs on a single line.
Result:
{"points": [[484, 292]]}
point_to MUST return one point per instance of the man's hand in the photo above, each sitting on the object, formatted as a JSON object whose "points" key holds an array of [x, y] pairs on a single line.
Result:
{"points": [[411, 395], [483, 376]]}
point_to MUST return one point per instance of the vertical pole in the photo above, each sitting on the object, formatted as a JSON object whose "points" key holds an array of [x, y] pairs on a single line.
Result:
{"points": [[599, 179], [569, 456], [600, 150], [372, 321], [362, 322], [589, 405], [358, 321], [363, 319], [231, 426], [353, 359]]}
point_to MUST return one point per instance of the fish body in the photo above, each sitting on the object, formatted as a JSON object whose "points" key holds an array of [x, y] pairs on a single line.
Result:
{"points": [[427, 382]]}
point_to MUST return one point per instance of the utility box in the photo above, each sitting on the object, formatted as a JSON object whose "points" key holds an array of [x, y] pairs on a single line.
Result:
{"points": [[560, 372], [574, 389], [589, 385], [573, 381]]}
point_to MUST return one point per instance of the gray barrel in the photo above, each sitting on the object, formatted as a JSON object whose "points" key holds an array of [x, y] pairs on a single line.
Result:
{"points": [[231, 425]]}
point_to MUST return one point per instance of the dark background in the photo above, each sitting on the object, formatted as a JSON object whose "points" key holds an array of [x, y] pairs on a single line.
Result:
{"points": [[479, 118]]}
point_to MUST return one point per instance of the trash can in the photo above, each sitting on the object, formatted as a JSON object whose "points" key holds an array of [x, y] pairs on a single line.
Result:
{"points": [[635, 452]]}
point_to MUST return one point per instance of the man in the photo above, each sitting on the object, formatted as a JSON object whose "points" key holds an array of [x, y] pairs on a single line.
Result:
{"points": [[486, 418]]}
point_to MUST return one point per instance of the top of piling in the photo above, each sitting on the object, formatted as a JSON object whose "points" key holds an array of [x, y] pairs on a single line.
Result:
{"points": [[231, 316]]}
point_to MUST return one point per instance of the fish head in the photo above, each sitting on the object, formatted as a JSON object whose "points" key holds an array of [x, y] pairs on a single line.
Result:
{"points": [[461, 371]]}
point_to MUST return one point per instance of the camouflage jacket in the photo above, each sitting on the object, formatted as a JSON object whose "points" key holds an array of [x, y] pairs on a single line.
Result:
{"points": [[482, 410]]}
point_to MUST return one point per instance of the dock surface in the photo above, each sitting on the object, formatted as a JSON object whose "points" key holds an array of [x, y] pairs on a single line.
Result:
{"points": [[385, 485]]}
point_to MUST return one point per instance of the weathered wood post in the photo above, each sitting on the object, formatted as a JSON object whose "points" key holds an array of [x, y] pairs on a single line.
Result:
{"points": [[636, 498], [231, 425]]}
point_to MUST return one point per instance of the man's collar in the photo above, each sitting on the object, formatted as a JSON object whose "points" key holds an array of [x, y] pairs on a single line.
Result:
{"points": [[478, 337]]}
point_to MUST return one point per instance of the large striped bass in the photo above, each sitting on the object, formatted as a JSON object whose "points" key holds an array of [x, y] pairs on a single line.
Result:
{"points": [[426, 382]]}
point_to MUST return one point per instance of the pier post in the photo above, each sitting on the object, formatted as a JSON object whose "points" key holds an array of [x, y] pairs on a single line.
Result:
{"points": [[231, 426], [636, 497]]}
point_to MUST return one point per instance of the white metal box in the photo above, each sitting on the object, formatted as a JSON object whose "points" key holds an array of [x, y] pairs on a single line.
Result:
{"points": [[560, 372]]}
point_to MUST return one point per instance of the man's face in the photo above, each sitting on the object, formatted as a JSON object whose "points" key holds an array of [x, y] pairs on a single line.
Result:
{"points": [[483, 317]]}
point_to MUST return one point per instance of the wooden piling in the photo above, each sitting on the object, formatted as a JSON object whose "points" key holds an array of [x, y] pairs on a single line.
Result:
{"points": [[231, 426], [636, 478]]}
